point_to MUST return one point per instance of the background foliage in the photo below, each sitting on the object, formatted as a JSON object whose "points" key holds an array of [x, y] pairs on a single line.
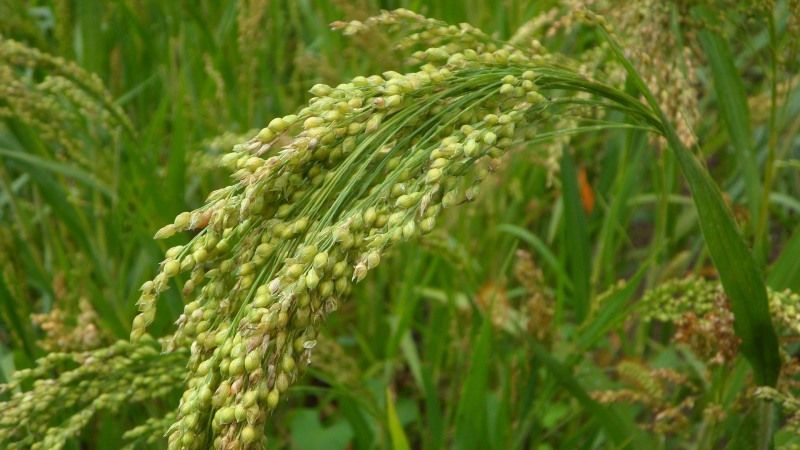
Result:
{"points": [[574, 302]]}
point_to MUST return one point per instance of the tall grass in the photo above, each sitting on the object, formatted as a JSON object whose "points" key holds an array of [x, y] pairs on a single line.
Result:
{"points": [[333, 295]]}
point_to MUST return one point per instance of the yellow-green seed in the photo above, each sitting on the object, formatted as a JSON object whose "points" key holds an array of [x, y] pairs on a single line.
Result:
{"points": [[265, 135], [313, 122], [312, 279], [326, 288], [250, 398], [278, 125], [282, 382], [249, 434], [182, 220], [295, 270], [236, 367], [288, 363], [240, 413], [273, 398], [172, 268], [165, 232], [409, 229], [433, 175], [226, 415], [406, 201], [373, 259], [320, 261], [252, 361], [320, 90]]}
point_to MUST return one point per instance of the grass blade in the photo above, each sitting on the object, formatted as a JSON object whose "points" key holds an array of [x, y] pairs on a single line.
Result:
{"points": [[398, 436], [62, 169], [620, 431], [547, 256], [613, 311], [471, 420], [13, 320], [738, 271], [732, 102], [785, 273], [576, 237]]}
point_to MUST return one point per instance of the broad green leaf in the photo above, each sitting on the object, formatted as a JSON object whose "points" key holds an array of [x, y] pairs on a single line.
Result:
{"points": [[308, 433]]}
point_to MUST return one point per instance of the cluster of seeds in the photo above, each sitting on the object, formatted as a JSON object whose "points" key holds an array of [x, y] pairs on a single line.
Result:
{"points": [[151, 432], [65, 391], [785, 308], [789, 403], [57, 106], [704, 323], [671, 301], [665, 394], [411, 31], [711, 335], [67, 330], [320, 196]]}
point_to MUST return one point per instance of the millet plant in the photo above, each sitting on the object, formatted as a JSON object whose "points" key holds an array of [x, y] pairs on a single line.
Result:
{"points": [[320, 198]]}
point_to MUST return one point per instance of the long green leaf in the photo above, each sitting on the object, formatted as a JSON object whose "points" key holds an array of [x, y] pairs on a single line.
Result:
{"points": [[738, 271], [471, 421], [576, 237], [785, 273], [732, 103], [62, 169], [398, 436], [611, 312], [14, 321]]}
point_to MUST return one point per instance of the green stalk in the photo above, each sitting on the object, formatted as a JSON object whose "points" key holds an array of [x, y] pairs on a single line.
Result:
{"points": [[762, 225]]}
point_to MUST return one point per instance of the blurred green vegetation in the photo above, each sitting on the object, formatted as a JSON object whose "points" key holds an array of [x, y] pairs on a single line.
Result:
{"points": [[493, 332]]}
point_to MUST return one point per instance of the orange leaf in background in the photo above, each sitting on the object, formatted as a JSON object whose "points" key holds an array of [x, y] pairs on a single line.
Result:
{"points": [[587, 194], [709, 272]]}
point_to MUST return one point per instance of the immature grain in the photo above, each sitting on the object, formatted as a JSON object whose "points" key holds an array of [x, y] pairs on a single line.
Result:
{"points": [[314, 209], [52, 402]]}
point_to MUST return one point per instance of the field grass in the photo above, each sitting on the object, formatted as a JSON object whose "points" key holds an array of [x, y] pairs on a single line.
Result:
{"points": [[627, 277]]}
